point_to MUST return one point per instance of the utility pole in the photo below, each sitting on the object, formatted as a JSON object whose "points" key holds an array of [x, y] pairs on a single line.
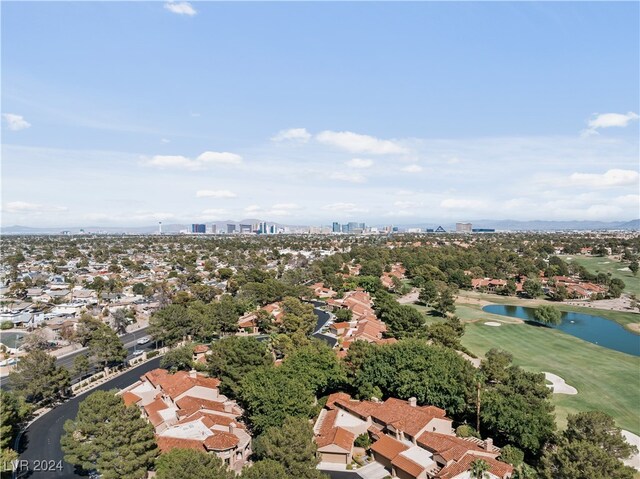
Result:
{"points": [[478, 410]]}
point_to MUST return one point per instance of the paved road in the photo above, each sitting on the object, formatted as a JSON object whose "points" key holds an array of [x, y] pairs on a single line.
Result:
{"points": [[41, 440], [130, 343]]}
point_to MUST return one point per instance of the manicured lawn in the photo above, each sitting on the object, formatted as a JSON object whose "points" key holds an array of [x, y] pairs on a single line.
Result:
{"points": [[606, 380], [595, 265]]}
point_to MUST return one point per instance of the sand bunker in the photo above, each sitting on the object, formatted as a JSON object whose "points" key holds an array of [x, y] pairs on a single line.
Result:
{"points": [[558, 385], [492, 323], [634, 440]]}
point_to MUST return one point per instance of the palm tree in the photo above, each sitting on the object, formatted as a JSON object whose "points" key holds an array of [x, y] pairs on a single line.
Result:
{"points": [[479, 467]]}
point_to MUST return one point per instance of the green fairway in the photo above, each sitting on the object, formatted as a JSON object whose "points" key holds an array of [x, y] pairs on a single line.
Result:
{"points": [[617, 269], [606, 380]]}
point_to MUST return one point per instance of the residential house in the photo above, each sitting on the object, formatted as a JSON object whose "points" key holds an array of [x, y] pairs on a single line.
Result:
{"points": [[410, 441], [187, 410]]}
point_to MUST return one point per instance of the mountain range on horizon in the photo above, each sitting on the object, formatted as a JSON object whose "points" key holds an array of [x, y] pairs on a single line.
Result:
{"points": [[498, 225]]}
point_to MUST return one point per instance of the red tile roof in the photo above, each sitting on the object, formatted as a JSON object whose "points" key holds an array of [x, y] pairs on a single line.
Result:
{"points": [[388, 447]]}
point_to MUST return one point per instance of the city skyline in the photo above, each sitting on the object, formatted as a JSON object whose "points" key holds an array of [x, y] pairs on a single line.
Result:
{"points": [[312, 113]]}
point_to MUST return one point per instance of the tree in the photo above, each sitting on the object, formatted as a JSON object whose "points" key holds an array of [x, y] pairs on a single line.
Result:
{"points": [[344, 315], [511, 455], [517, 410], [363, 441], [479, 469], [616, 287], [290, 445], [412, 368], [548, 315], [178, 359], [35, 340], [171, 324], [105, 346], [428, 293], [532, 288], [38, 378], [270, 396], [494, 367], [234, 357], [109, 437], [189, 464], [265, 469], [298, 316], [81, 366], [447, 334], [120, 321], [446, 302], [633, 266], [582, 459], [600, 429], [13, 410], [317, 367]]}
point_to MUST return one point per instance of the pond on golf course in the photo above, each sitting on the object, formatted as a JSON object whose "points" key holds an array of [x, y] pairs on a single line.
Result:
{"points": [[595, 329]]}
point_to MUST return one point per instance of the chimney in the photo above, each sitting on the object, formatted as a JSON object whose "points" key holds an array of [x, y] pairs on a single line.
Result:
{"points": [[413, 402], [228, 407], [232, 428], [488, 444], [193, 373]]}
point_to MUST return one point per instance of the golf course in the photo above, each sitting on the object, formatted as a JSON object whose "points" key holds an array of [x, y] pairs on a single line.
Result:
{"points": [[606, 380]]}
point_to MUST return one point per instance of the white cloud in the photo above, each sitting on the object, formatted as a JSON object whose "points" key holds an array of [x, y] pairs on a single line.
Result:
{"points": [[31, 208], [213, 213], [215, 194], [348, 177], [206, 159], [460, 203], [220, 157], [345, 208], [286, 206], [406, 204], [356, 143], [15, 122], [292, 134], [165, 140], [181, 8], [360, 163], [412, 169], [453, 161], [610, 178], [608, 120]]}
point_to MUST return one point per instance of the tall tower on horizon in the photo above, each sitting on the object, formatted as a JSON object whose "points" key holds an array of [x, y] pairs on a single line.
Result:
{"points": [[159, 227]]}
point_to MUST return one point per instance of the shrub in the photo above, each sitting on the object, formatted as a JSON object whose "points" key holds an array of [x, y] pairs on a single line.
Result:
{"points": [[152, 354]]}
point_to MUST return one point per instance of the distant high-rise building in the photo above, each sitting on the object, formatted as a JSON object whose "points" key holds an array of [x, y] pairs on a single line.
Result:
{"points": [[463, 227], [245, 229], [231, 228], [159, 227], [198, 228], [440, 229], [336, 227], [214, 229]]}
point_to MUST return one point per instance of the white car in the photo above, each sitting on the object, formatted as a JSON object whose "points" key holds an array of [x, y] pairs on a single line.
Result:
{"points": [[138, 353], [144, 340]]}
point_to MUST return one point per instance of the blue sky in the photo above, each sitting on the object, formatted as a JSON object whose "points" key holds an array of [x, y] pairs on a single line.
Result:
{"points": [[126, 113]]}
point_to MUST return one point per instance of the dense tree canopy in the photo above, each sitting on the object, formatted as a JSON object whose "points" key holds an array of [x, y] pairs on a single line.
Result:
{"points": [[190, 464], [232, 358], [292, 446], [38, 378], [412, 368], [515, 407], [270, 395], [110, 438]]}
